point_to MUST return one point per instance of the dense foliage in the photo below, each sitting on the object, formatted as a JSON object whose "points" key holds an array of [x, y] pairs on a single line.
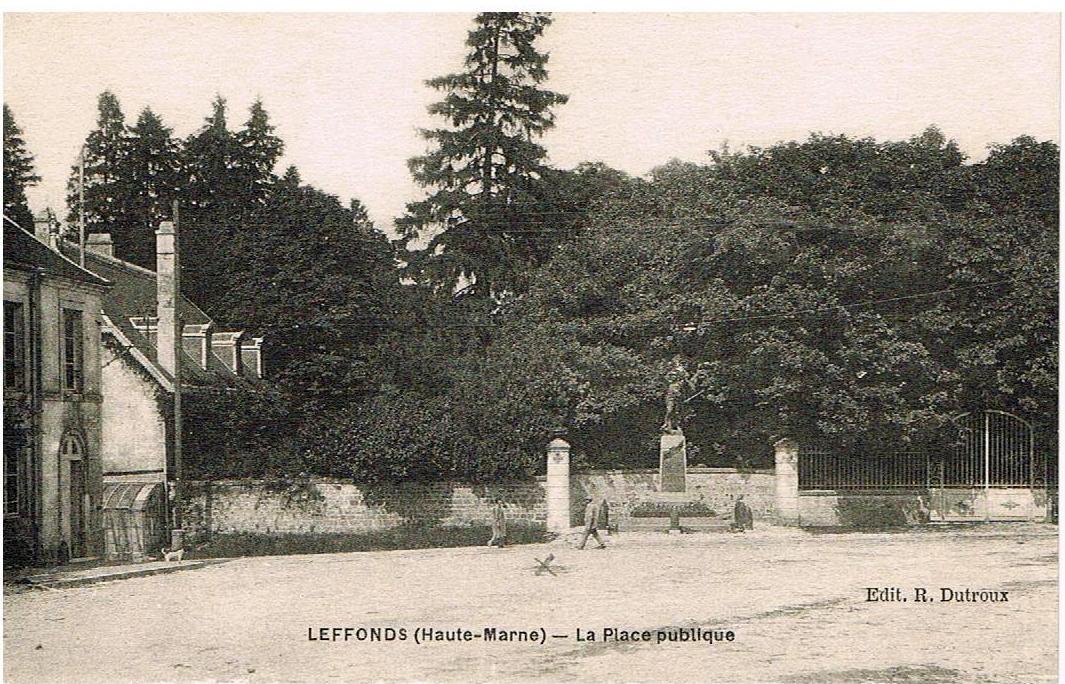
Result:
{"points": [[836, 289]]}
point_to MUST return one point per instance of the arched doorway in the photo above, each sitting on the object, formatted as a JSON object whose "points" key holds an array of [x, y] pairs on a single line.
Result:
{"points": [[73, 455]]}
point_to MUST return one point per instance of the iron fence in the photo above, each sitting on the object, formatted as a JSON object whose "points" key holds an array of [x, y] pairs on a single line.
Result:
{"points": [[988, 449], [822, 469]]}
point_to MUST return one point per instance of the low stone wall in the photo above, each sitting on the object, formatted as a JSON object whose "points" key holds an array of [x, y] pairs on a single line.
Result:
{"points": [[717, 488], [829, 508], [319, 506], [328, 506]]}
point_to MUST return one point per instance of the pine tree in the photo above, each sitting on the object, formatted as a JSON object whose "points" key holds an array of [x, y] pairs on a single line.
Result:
{"points": [[18, 173], [211, 156], [108, 191], [230, 181], [212, 210], [486, 167], [155, 177], [259, 151]]}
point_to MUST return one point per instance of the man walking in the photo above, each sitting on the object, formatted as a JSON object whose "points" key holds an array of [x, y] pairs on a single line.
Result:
{"points": [[499, 524], [591, 523]]}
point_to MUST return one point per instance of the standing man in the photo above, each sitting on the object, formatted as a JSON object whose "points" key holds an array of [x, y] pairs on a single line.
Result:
{"points": [[499, 524], [591, 523]]}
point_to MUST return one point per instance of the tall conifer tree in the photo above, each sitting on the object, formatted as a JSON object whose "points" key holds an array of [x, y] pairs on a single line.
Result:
{"points": [[211, 155], [484, 171], [259, 151], [108, 190], [156, 178], [18, 173]]}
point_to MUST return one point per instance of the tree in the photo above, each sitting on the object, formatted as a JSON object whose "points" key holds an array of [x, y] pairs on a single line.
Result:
{"points": [[318, 281], [486, 168], [911, 179], [824, 309], [18, 173], [259, 151], [211, 155], [1021, 178], [156, 178], [230, 178], [108, 191]]}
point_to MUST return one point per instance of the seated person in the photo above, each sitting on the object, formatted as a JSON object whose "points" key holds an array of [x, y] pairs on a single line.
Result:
{"points": [[742, 518]]}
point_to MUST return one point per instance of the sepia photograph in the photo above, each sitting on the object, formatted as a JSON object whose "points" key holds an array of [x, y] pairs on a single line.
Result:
{"points": [[571, 346]]}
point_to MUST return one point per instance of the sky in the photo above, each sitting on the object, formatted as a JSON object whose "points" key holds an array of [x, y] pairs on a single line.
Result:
{"points": [[347, 95]]}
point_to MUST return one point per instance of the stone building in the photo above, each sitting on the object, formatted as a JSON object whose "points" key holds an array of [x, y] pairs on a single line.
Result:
{"points": [[149, 332], [53, 482]]}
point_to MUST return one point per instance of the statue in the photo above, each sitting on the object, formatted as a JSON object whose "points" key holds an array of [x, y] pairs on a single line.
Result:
{"points": [[678, 378]]}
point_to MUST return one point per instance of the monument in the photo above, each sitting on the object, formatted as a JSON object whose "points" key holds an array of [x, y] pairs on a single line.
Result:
{"points": [[672, 501], [673, 455]]}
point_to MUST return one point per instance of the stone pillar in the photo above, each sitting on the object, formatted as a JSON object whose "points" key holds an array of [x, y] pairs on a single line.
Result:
{"points": [[558, 519], [672, 462], [787, 481]]}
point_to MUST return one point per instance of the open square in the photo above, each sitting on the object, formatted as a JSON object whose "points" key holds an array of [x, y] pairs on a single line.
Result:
{"points": [[796, 602]]}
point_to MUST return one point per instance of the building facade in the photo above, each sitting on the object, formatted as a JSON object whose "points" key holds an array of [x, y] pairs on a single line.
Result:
{"points": [[53, 468], [151, 335]]}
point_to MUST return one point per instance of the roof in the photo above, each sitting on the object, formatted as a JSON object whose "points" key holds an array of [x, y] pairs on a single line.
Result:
{"points": [[134, 496], [22, 250], [133, 295]]}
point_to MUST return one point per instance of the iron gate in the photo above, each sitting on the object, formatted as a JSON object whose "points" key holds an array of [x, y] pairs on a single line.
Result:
{"points": [[988, 470], [992, 472]]}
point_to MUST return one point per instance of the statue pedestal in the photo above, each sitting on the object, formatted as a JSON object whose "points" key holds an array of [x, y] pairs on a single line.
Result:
{"points": [[673, 462]]}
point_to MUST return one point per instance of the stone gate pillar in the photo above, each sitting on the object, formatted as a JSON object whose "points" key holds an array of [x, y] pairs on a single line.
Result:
{"points": [[787, 481], [558, 519]]}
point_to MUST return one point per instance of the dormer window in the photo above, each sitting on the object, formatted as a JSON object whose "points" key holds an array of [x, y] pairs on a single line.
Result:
{"points": [[251, 352], [196, 341], [147, 326], [226, 346]]}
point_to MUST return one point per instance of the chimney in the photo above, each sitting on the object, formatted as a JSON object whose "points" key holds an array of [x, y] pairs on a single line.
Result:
{"points": [[100, 243], [168, 287], [42, 227]]}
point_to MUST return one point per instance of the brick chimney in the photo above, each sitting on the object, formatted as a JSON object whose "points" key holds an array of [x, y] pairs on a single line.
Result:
{"points": [[43, 227], [100, 243], [168, 287]]}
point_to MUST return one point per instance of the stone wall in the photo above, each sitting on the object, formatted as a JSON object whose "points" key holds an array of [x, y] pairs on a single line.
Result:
{"points": [[828, 508], [330, 506], [715, 487]]}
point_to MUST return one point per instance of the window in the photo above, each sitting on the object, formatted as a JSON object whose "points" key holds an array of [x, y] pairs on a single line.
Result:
{"points": [[14, 347], [12, 480], [73, 361], [71, 449]]}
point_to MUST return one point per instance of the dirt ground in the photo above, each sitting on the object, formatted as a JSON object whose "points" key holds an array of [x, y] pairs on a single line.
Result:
{"points": [[795, 601]]}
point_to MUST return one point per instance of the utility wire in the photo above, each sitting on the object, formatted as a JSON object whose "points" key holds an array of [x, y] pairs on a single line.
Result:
{"points": [[783, 314], [871, 302]]}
